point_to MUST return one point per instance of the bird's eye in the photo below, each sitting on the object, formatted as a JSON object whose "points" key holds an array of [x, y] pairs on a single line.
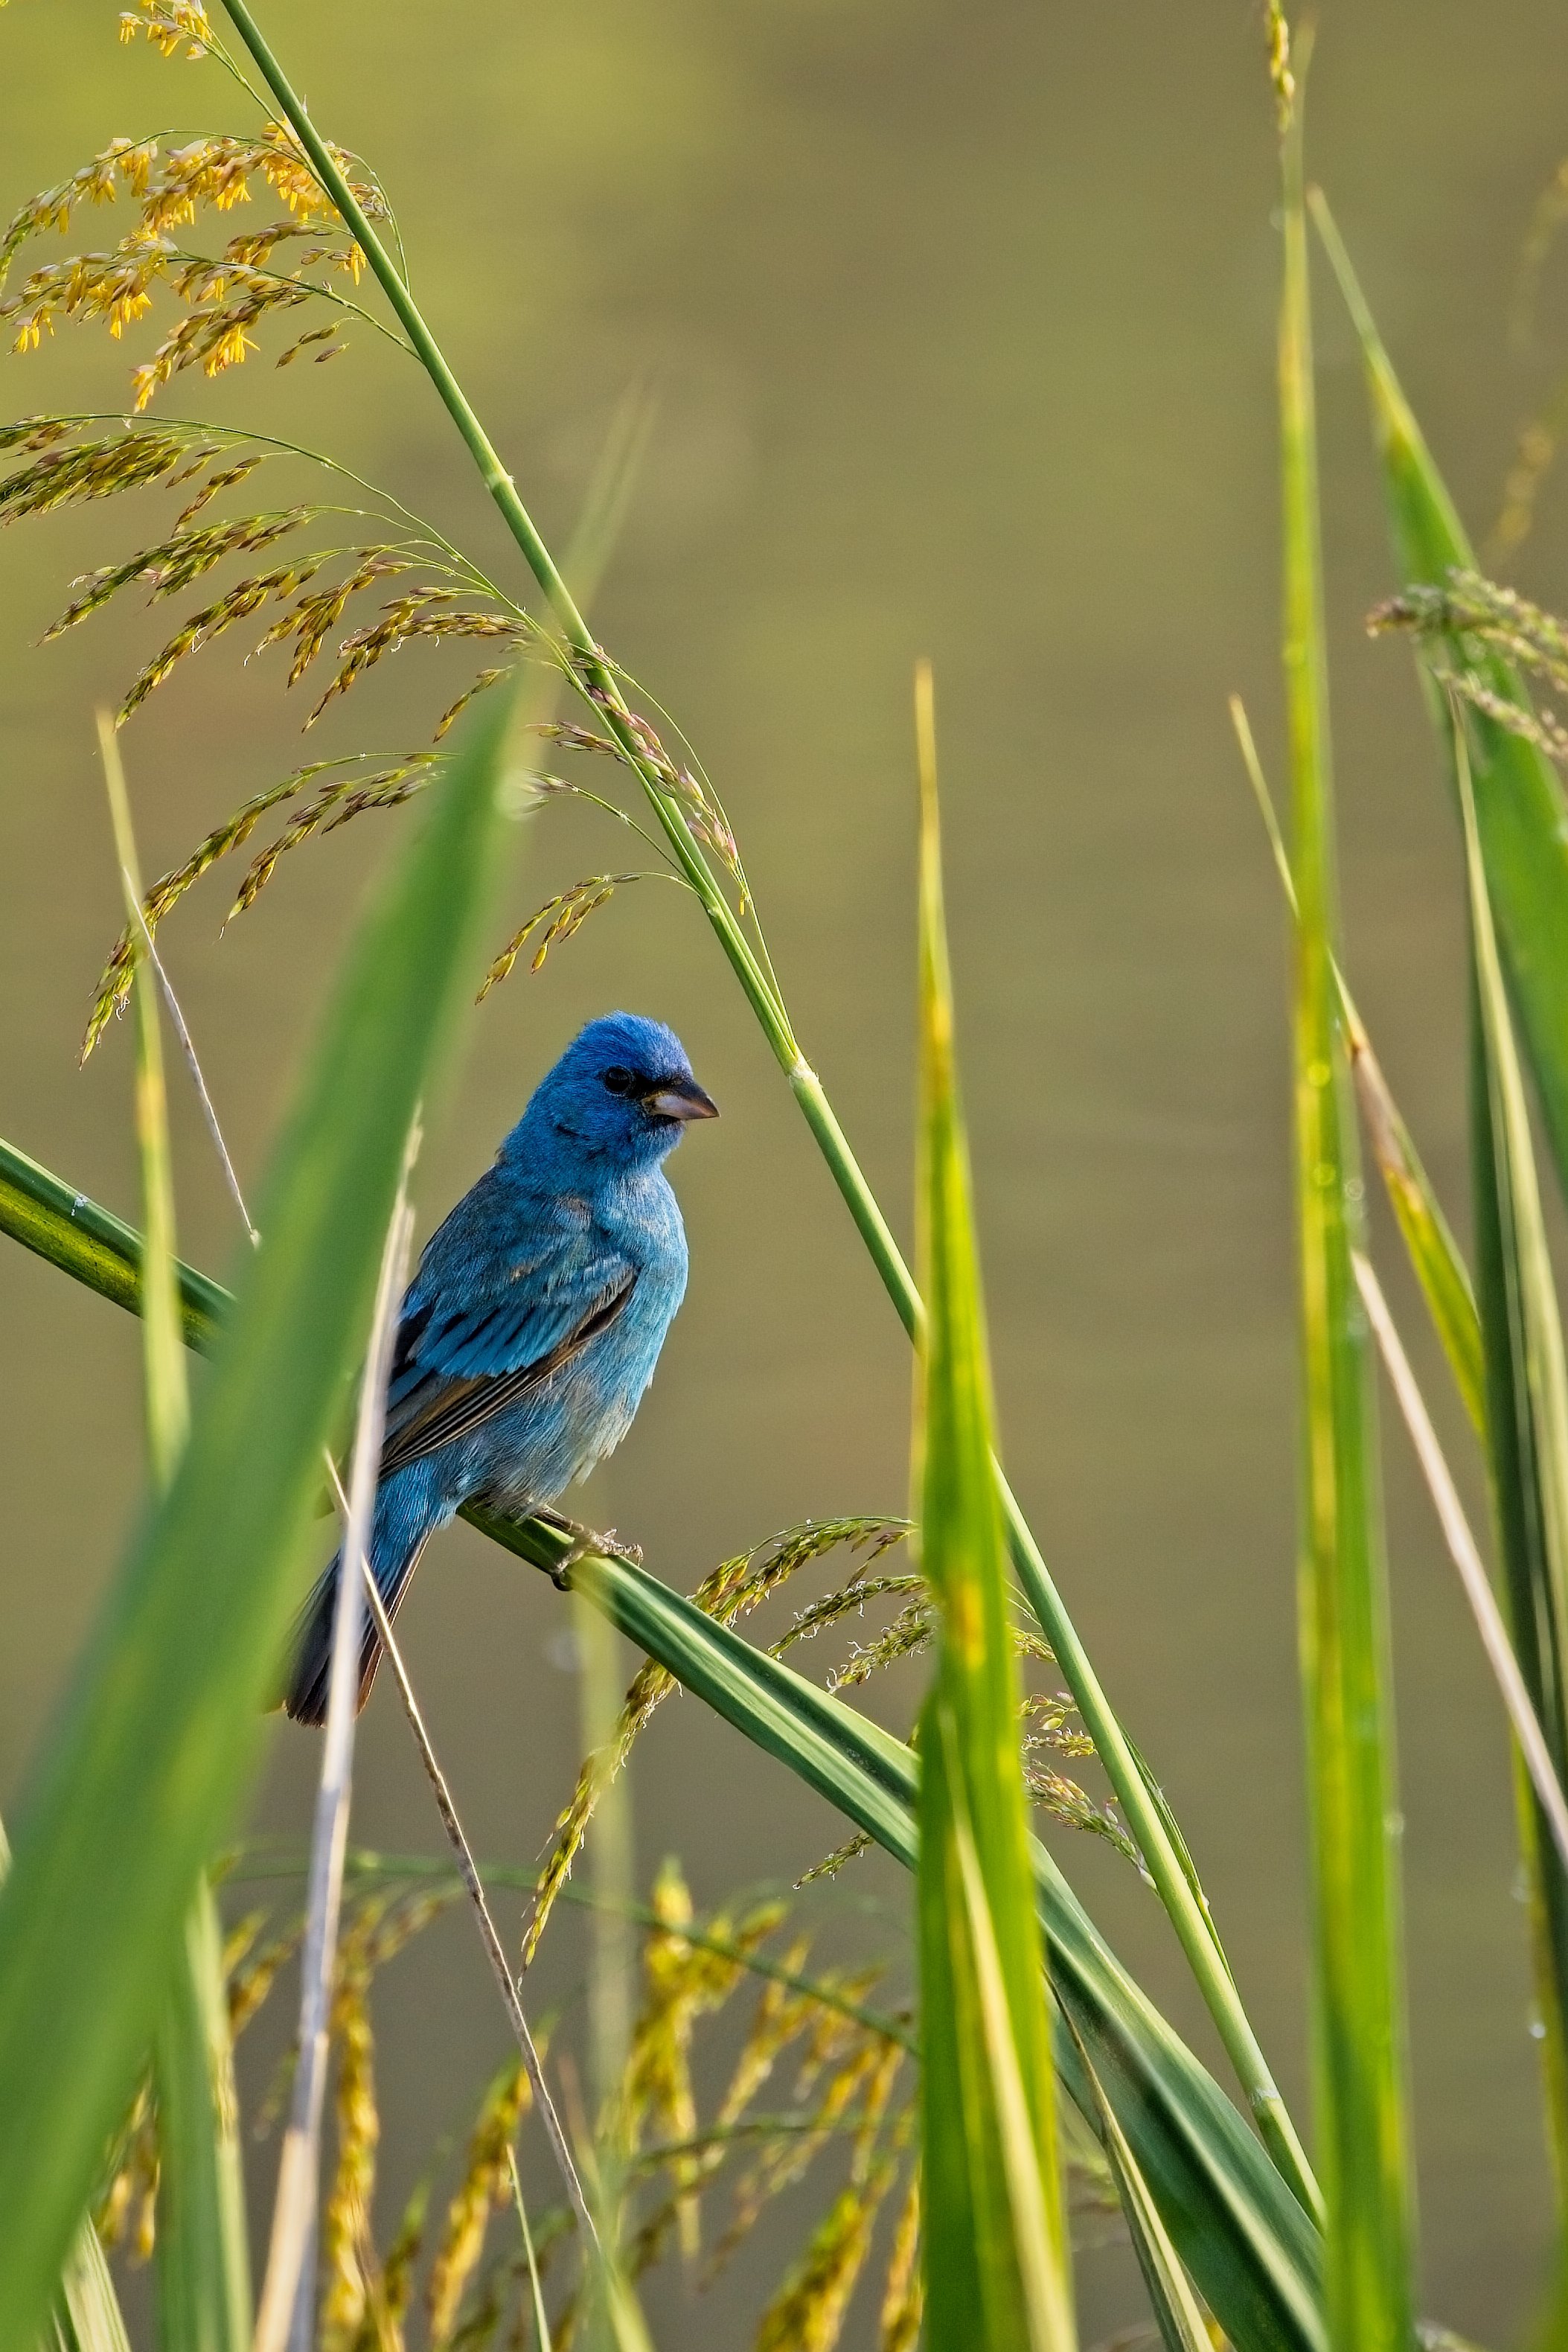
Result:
{"points": [[619, 1081]]}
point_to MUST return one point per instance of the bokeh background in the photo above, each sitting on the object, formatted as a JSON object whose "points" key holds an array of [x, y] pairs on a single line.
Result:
{"points": [[959, 322]]}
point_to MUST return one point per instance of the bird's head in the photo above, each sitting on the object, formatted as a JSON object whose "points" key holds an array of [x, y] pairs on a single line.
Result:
{"points": [[623, 1090]]}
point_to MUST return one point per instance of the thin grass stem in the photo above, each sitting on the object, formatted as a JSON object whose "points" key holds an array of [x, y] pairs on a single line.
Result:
{"points": [[494, 1948], [541, 2320], [1439, 1268], [187, 1047], [1466, 1557]]}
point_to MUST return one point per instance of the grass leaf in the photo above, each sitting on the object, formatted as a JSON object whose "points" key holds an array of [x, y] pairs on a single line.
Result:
{"points": [[87, 2316], [1181, 2323], [1358, 1989], [1521, 822], [159, 1733], [203, 2251], [995, 2242], [1527, 1422]]}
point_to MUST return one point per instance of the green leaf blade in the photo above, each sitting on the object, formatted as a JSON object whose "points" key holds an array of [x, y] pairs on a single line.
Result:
{"points": [[994, 2235], [1521, 817], [1364, 2161], [1527, 1423]]}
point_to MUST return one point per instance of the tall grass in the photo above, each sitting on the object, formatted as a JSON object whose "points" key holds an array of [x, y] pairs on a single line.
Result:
{"points": [[996, 2241], [1358, 2009], [1020, 1996]]}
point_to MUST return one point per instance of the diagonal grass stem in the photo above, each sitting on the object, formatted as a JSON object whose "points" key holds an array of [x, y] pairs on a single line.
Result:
{"points": [[1466, 1557]]}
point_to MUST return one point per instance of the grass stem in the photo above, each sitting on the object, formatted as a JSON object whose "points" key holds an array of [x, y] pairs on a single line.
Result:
{"points": [[1464, 1553]]}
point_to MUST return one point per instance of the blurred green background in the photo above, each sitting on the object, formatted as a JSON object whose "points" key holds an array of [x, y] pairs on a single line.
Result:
{"points": [[960, 328]]}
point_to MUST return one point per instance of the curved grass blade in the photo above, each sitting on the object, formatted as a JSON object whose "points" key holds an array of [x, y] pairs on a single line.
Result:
{"points": [[1521, 820], [1180, 2322], [156, 1739], [1358, 2023], [994, 2240], [1527, 1423], [1243, 2236]]}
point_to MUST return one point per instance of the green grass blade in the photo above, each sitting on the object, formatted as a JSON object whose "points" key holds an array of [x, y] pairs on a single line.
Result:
{"points": [[1242, 2235], [1238, 2229], [1520, 817], [87, 2316], [1176, 2313], [1358, 1989], [994, 2240], [97, 1248], [1028, 2217], [1527, 1418], [168, 1405], [1428, 1239], [155, 1742], [204, 2253]]}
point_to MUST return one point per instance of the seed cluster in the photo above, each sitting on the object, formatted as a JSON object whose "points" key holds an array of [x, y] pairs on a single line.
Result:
{"points": [[224, 297]]}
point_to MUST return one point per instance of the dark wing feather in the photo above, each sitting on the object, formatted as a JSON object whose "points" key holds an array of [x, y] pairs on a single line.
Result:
{"points": [[452, 1408]]}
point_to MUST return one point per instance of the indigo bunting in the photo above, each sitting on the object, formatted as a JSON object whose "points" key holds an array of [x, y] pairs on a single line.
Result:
{"points": [[535, 1317]]}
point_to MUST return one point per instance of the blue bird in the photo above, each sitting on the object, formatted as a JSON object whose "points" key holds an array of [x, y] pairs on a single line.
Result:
{"points": [[535, 1320]]}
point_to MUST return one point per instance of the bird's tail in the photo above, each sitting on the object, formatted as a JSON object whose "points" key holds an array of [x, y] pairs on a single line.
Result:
{"points": [[397, 1539]]}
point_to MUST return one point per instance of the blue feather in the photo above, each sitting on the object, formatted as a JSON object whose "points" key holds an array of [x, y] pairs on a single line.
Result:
{"points": [[534, 1323]]}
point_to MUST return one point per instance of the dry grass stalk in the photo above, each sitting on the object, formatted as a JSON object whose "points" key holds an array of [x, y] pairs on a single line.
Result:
{"points": [[296, 2197]]}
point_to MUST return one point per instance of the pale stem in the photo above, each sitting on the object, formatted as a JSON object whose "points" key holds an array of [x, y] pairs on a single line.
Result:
{"points": [[288, 2297], [1467, 1558]]}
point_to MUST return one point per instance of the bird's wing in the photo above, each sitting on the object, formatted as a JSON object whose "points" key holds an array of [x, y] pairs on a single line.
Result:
{"points": [[459, 1361]]}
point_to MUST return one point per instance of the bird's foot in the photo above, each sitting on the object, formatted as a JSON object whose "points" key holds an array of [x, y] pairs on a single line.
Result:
{"points": [[586, 1543]]}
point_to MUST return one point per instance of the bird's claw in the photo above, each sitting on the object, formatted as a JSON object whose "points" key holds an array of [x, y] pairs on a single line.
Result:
{"points": [[587, 1543]]}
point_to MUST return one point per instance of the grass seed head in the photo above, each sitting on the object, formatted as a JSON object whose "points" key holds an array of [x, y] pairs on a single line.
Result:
{"points": [[344, 2216], [485, 2185], [808, 2312], [237, 603], [903, 2298]]}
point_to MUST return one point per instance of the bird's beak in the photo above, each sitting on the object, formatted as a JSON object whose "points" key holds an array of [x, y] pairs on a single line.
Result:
{"points": [[683, 1099]]}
